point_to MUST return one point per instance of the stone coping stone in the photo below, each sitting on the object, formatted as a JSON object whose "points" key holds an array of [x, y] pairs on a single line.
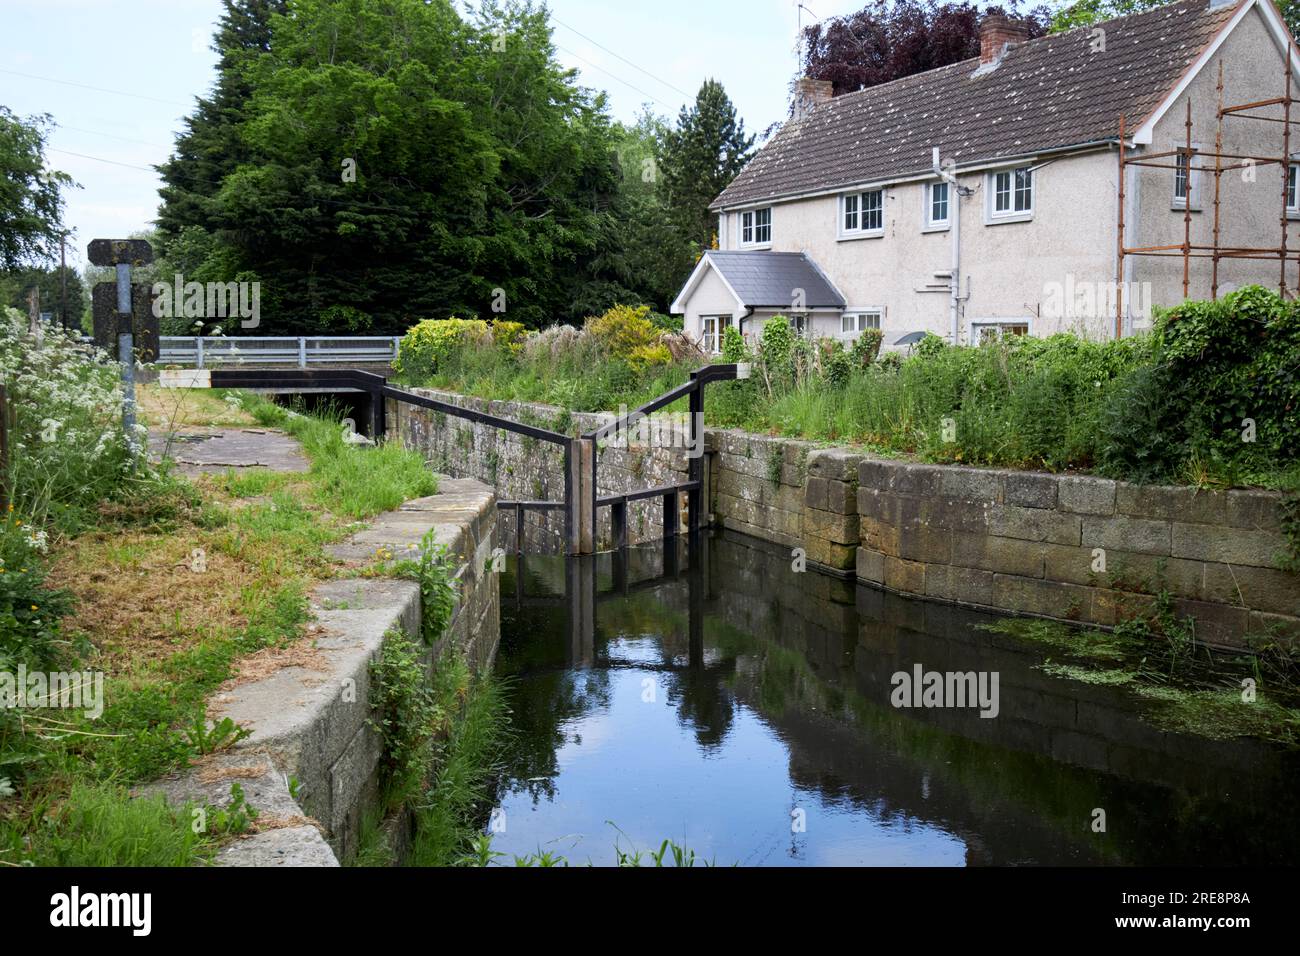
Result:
{"points": [[457, 515], [306, 717]]}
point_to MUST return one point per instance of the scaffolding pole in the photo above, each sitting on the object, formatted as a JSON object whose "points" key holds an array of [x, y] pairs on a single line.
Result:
{"points": [[1183, 166]]}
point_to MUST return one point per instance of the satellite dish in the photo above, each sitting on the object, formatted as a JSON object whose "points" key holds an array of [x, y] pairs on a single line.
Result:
{"points": [[911, 338]]}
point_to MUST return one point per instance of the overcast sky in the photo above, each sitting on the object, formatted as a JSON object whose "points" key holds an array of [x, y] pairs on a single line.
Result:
{"points": [[640, 51]]}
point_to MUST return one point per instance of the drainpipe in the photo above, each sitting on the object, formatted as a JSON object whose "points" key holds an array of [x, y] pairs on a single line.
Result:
{"points": [[740, 322], [954, 217]]}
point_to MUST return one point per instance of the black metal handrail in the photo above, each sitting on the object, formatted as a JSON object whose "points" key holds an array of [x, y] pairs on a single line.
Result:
{"points": [[579, 527]]}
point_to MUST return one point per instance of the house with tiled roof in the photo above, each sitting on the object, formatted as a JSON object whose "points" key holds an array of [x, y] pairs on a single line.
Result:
{"points": [[984, 198]]}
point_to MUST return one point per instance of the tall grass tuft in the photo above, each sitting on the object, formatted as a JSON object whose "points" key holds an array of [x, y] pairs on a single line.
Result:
{"points": [[352, 480], [101, 825], [467, 760]]}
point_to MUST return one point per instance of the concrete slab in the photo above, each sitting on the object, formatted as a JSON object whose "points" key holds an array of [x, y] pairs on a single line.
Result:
{"points": [[291, 846], [216, 450]]}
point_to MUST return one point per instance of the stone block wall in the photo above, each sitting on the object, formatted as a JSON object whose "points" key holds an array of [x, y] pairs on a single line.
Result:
{"points": [[1077, 547], [1026, 542], [528, 469]]}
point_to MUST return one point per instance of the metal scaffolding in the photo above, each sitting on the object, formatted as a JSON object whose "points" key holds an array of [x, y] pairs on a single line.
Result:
{"points": [[1216, 252]]}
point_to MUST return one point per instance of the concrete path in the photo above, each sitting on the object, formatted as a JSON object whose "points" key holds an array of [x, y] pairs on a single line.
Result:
{"points": [[210, 450]]}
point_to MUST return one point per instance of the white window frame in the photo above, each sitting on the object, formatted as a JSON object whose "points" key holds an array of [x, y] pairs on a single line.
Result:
{"points": [[932, 224], [976, 325], [859, 202], [748, 220], [1293, 189], [1194, 178], [1011, 214], [711, 341], [853, 322]]}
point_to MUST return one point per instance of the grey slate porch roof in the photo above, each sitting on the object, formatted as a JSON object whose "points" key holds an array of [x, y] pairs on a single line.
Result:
{"points": [[769, 280], [1054, 92]]}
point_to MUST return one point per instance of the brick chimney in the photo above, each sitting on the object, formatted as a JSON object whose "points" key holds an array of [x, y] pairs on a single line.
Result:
{"points": [[996, 34], [810, 94]]}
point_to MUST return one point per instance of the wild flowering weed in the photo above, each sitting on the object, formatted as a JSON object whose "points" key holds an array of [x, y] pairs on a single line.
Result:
{"points": [[67, 446]]}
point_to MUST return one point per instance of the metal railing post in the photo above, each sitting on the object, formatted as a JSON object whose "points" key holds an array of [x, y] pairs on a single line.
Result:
{"points": [[672, 519], [618, 522], [302, 352], [198, 349], [695, 456]]}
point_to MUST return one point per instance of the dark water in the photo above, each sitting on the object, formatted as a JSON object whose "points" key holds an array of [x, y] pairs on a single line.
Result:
{"points": [[743, 710]]}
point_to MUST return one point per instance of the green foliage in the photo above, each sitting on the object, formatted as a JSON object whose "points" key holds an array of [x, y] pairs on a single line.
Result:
{"points": [[220, 736], [103, 826], [1082, 13], [561, 366], [1171, 406], [236, 817], [30, 610], [50, 284], [699, 159], [866, 347], [350, 479], [1220, 399], [776, 351], [467, 759], [836, 363], [31, 196], [345, 319], [68, 451], [670, 853], [400, 158], [734, 348], [424, 350], [775, 464], [434, 571], [407, 715], [625, 333]]}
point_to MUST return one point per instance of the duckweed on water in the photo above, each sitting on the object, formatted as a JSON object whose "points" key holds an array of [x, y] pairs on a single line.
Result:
{"points": [[1110, 678], [1208, 698], [1221, 714]]}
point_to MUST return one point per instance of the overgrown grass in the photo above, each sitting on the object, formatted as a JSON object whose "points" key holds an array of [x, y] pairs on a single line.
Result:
{"points": [[465, 763], [1210, 398], [352, 480], [100, 825], [173, 589]]}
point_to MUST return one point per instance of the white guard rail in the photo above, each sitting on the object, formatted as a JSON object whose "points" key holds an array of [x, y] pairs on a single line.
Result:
{"points": [[301, 352]]}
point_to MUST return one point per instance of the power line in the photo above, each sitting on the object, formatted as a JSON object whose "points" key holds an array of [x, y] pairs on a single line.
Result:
{"points": [[614, 76], [675, 89], [100, 159], [97, 89], [124, 139]]}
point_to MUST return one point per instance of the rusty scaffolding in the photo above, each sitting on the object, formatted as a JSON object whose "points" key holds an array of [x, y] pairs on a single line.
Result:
{"points": [[1182, 163]]}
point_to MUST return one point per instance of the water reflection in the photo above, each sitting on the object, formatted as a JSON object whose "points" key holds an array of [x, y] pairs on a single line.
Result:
{"points": [[713, 696]]}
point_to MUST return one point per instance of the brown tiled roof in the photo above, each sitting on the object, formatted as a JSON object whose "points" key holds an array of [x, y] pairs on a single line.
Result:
{"points": [[1050, 93]]}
